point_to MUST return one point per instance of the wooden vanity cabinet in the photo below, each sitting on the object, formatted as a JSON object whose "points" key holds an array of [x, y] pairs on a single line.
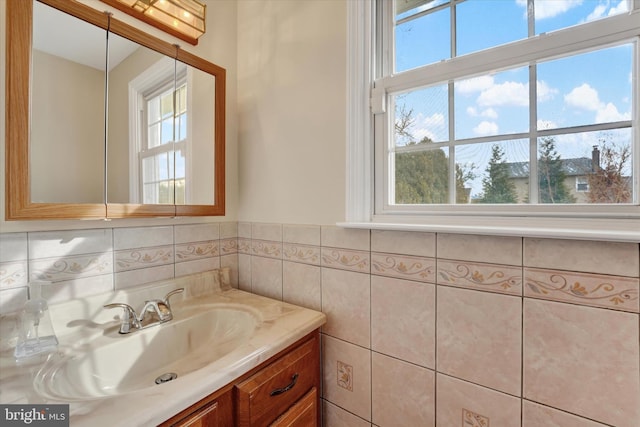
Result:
{"points": [[281, 392]]}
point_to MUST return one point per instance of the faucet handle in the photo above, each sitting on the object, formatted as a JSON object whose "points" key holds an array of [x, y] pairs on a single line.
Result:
{"points": [[170, 294], [129, 316]]}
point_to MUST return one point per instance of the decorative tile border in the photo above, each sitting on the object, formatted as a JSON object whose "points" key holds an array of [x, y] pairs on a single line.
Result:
{"points": [[346, 259], [345, 376], [305, 254], [615, 292], [471, 419], [13, 274], [229, 246], [403, 267], [244, 245], [70, 268], [127, 260], [489, 277], [199, 250], [266, 248]]}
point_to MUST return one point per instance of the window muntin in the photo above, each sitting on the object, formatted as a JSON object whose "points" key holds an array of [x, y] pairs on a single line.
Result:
{"points": [[613, 99]]}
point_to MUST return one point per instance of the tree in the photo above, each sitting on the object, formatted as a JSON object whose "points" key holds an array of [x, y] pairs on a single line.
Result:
{"points": [[552, 188], [496, 186], [607, 183]]}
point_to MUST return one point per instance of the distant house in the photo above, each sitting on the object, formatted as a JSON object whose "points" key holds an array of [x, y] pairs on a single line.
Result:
{"points": [[576, 176]]}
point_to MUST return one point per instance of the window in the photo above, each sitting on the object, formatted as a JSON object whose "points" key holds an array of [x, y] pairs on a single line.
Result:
{"points": [[505, 108]]}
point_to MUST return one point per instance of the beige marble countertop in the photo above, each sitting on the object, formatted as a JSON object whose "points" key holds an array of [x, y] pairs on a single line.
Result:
{"points": [[82, 321]]}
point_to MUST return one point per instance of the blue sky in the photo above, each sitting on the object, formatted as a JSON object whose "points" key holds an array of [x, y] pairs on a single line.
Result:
{"points": [[580, 90]]}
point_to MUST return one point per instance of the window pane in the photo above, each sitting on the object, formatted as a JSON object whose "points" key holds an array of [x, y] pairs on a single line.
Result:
{"points": [[586, 89], [181, 131], [588, 167], [422, 177], [153, 137], [494, 172], [493, 104], [423, 40], [422, 116], [166, 104], [482, 24], [167, 130], [408, 8], [153, 107], [553, 15]]}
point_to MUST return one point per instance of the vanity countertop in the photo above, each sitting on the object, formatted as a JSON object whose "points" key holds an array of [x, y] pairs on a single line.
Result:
{"points": [[281, 324]]}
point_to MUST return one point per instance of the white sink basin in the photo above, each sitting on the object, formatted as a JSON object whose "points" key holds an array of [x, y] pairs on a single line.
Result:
{"points": [[121, 364]]}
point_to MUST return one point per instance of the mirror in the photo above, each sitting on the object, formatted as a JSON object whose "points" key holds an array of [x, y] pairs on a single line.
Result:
{"points": [[183, 173]]}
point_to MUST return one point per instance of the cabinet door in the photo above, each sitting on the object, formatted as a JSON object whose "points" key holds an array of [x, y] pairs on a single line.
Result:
{"points": [[271, 391], [204, 417], [303, 414]]}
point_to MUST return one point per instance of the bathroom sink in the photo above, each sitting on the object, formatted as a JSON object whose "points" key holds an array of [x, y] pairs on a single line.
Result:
{"points": [[121, 364]]}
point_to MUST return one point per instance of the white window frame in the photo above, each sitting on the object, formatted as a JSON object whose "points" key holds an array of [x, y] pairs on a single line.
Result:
{"points": [[367, 100]]}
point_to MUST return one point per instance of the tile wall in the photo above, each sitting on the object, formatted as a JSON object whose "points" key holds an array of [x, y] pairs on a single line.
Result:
{"points": [[85, 262], [423, 329], [460, 330]]}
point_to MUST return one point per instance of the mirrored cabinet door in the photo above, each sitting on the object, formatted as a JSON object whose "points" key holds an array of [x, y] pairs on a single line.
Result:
{"points": [[67, 108]]}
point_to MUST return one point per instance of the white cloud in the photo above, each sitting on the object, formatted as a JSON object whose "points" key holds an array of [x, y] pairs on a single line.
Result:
{"points": [[475, 84], [622, 7], [597, 13], [550, 8], [486, 128], [545, 92], [547, 124], [507, 93], [584, 97], [489, 113], [609, 113], [600, 10], [432, 127]]}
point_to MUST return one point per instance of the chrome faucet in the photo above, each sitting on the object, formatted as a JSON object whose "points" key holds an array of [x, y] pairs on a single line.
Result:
{"points": [[159, 311]]}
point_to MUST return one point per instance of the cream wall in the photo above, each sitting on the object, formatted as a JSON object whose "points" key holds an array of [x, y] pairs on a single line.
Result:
{"points": [[292, 110], [218, 45]]}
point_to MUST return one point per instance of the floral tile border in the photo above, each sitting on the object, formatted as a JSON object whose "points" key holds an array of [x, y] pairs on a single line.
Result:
{"points": [[244, 245], [421, 269], [13, 274], [198, 250], [306, 254], [72, 267], [345, 376], [266, 248], [229, 246], [127, 260], [471, 419], [499, 278], [346, 259], [598, 290]]}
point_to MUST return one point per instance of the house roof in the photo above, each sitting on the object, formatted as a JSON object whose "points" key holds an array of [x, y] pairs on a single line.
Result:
{"points": [[571, 167]]}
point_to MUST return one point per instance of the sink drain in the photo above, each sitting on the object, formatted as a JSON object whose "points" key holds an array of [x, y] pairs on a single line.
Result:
{"points": [[165, 378]]}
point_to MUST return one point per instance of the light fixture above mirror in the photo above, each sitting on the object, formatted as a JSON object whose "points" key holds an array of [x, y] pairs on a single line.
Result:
{"points": [[184, 19]]}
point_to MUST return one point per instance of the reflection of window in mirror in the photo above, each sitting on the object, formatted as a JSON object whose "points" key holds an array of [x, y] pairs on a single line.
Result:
{"points": [[160, 149]]}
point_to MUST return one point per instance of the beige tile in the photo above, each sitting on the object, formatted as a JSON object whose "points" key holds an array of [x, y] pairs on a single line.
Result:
{"points": [[487, 277], [77, 266], [244, 246], [402, 394], [231, 261], [228, 230], [13, 247], [196, 266], [83, 287], [266, 231], [583, 360], [50, 244], [462, 404], [244, 272], [479, 337], [266, 277], [12, 300], [404, 267], [196, 233], [346, 259], [266, 248], [197, 250], [404, 242], [347, 376], [403, 320], [301, 234], [334, 416], [619, 259], [244, 230], [345, 238], [139, 237], [131, 278], [301, 285], [615, 292], [301, 253], [489, 249], [535, 415], [13, 274], [129, 259], [229, 246], [346, 302]]}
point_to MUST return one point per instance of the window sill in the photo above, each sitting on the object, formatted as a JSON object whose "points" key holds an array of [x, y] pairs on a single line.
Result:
{"points": [[605, 229]]}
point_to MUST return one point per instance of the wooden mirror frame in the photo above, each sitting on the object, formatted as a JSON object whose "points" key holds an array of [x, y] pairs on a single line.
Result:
{"points": [[19, 28]]}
